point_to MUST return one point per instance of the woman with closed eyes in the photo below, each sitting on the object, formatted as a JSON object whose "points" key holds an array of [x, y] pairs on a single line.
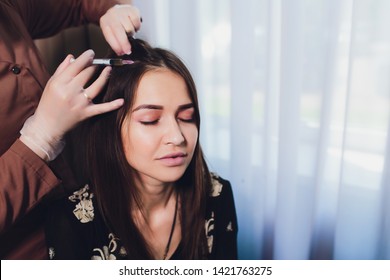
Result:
{"points": [[149, 192]]}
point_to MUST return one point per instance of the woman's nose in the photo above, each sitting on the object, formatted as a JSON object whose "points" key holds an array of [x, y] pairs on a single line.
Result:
{"points": [[173, 134]]}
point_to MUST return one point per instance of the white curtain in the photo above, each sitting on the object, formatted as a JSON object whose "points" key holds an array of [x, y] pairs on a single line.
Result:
{"points": [[295, 104]]}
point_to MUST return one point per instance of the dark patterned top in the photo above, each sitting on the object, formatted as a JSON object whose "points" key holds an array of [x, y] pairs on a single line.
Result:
{"points": [[75, 229]]}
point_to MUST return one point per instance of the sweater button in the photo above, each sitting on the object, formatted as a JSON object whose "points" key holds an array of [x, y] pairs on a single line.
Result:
{"points": [[16, 70]]}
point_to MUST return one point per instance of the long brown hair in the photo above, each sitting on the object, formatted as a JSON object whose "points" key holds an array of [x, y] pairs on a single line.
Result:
{"points": [[112, 178]]}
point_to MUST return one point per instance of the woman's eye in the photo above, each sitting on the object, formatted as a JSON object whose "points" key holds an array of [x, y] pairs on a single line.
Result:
{"points": [[187, 116], [187, 120], [149, 122]]}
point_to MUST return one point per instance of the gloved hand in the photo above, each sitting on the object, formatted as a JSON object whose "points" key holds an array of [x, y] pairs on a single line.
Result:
{"points": [[117, 24], [64, 104]]}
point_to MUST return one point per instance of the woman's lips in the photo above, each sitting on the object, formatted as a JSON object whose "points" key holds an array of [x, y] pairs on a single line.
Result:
{"points": [[174, 159]]}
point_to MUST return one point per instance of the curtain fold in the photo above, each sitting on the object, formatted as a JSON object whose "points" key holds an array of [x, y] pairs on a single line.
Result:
{"points": [[241, 120]]}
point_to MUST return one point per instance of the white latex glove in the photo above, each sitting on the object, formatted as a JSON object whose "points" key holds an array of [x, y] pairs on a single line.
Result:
{"points": [[64, 104], [117, 24]]}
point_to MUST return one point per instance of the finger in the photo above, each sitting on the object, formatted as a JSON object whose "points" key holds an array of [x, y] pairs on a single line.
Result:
{"points": [[81, 79], [112, 40], [64, 64], [135, 18], [123, 40], [129, 16], [95, 88], [97, 109], [120, 39], [127, 24], [117, 24], [78, 65], [86, 95]]}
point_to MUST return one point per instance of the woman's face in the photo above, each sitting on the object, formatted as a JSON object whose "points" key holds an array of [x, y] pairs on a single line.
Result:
{"points": [[159, 133]]}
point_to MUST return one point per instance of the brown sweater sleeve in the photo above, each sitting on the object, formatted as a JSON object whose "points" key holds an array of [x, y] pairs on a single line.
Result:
{"points": [[45, 18], [24, 180]]}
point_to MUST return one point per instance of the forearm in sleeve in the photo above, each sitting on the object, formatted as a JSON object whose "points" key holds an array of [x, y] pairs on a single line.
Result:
{"points": [[24, 180], [45, 18]]}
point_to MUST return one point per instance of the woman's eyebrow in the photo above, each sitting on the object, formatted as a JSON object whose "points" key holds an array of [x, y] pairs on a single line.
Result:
{"points": [[148, 107], [185, 106], [159, 107]]}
